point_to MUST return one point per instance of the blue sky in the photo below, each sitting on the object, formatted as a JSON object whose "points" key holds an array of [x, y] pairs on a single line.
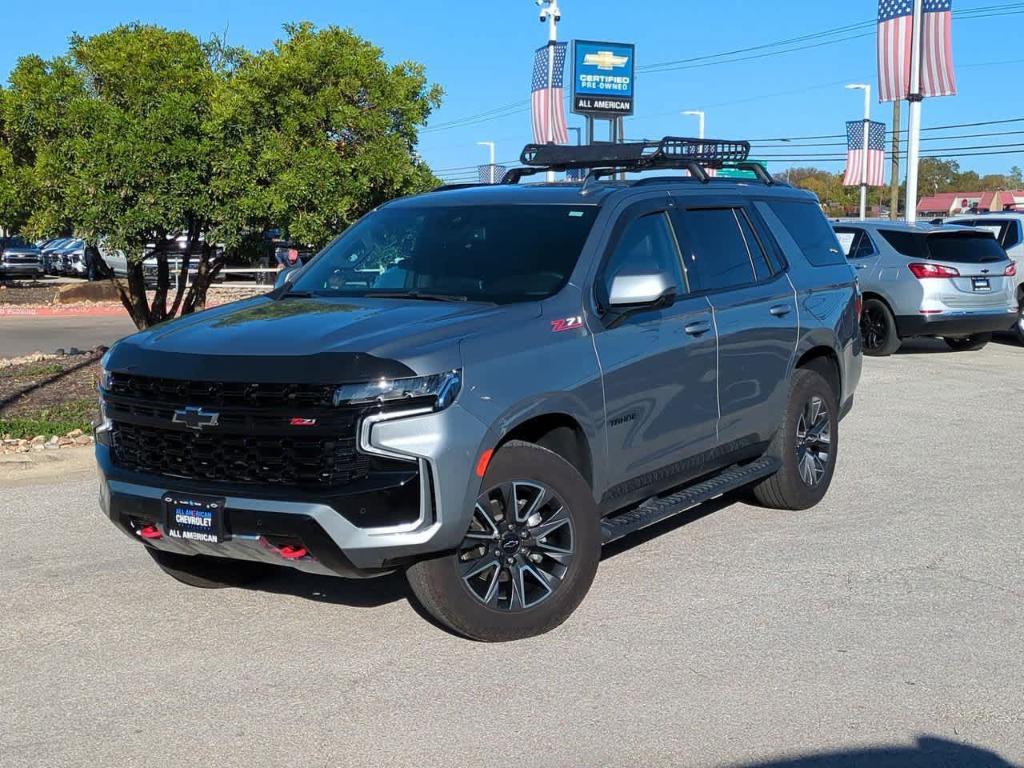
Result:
{"points": [[481, 53]]}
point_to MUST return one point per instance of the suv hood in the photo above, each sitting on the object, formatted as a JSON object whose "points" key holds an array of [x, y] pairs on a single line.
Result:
{"points": [[309, 340]]}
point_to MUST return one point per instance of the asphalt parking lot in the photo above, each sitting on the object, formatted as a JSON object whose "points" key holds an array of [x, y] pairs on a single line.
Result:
{"points": [[25, 335], [884, 627]]}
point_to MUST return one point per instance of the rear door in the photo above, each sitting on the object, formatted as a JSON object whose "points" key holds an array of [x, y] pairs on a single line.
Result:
{"points": [[732, 260], [659, 365]]}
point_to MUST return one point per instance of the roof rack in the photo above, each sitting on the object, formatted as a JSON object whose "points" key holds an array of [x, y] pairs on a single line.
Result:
{"points": [[671, 152]]}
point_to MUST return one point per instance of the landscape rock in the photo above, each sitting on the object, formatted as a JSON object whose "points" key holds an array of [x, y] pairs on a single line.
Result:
{"points": [[38, 440], [83, 440], [74, 433], [101, 290]]}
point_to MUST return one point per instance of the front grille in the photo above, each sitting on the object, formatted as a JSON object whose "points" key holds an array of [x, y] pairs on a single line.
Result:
{"points": [[219, 394], [254, 441], [236, 458]]}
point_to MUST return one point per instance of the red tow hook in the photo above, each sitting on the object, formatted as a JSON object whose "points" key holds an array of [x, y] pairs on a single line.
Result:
{"points": [[150, 532], [292, 551], [288, 550]]}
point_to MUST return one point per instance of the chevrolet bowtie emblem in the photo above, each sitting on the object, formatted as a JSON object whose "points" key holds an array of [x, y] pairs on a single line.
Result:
{"points": [[605, 60], [195, 418]]}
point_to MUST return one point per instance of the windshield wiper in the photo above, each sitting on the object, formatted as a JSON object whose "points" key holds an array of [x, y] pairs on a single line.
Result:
{"points": [[415, 295], [296, 295]]}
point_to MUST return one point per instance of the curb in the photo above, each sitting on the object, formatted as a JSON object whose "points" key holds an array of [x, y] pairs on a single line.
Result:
{"points": [[70, 310]]}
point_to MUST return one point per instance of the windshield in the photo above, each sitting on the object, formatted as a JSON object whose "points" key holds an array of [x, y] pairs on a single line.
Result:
{"points": [[491, 253], [963, 247]]}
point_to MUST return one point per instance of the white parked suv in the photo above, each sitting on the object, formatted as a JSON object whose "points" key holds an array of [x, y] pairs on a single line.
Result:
{"points": [[1008, 227]]}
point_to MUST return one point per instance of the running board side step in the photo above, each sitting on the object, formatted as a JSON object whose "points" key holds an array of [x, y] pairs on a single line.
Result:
{"points": [[655, 510]]}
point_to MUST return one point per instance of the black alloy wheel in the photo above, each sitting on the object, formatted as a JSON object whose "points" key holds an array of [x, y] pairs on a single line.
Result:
{"points": [[519, 546], [878, 329], [814, 441], [529, 554]]}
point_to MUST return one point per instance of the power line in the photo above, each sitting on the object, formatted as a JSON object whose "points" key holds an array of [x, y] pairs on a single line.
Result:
{"points": [[517, 107]]}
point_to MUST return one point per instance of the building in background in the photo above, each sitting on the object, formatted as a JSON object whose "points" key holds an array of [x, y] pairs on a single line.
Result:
{"points": [[952, 203]]}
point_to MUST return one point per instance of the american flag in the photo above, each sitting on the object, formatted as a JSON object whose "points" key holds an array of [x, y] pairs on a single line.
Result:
{"points": [[895, 36], [549, 97], [855, 154]]}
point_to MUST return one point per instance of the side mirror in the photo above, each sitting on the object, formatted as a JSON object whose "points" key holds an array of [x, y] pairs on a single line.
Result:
{"points": [[285, 276], [633, 291]]}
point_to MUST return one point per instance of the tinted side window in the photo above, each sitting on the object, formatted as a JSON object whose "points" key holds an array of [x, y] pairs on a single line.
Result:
{"points": [[1013, 236], [906, 243], [646, 247], [715, 254], [855, 242], [757, 256], [807, 225]]}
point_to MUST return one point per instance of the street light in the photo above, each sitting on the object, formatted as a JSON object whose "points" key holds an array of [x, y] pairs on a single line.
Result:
{"points": [[864, 154], [699, 114], [490, 168]]}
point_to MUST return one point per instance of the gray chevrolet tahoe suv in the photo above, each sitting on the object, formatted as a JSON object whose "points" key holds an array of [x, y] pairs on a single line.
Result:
{"points": [[483, 385]]}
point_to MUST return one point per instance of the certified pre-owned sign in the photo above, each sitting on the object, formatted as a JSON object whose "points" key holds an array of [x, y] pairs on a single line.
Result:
{"points": [[602, 78]]}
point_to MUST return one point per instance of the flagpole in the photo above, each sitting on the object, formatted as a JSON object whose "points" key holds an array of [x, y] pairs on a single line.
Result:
{"points": [[554, 15], [914, 126], [864, 147]]}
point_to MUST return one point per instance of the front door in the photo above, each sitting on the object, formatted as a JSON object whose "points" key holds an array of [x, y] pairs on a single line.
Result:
{"points": [[659, 365]]}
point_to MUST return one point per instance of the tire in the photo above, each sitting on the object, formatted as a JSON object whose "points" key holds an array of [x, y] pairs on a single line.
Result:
{"points": [[878, 333], [209, 572], [800, 483], [1018, 328], [968, 343], [472, 591]]}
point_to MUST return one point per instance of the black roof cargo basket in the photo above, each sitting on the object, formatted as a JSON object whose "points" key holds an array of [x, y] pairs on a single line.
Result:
{"points": [[671, 152]]}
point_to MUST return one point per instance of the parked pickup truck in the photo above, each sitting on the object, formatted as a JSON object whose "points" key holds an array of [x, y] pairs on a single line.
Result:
{"points": [[19, 258], [483, 385]]}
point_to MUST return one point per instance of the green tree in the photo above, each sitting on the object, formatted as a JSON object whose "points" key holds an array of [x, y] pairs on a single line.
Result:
{"points": [[316, 132], [140, 135], [936, 175]]}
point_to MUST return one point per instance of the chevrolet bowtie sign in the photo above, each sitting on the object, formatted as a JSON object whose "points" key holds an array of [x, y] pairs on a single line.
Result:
{"points": [[602, 78]]}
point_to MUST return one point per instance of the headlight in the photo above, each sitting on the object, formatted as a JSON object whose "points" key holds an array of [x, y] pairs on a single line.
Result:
{"points": [[442, 388]]}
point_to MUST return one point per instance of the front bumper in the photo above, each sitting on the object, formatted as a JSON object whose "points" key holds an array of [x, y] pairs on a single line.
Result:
{"points": [[21, 270], [955, 323], [445, 445]]}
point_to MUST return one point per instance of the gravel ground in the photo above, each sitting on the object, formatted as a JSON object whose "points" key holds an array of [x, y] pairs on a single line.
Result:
{"points": [[883, 628]]}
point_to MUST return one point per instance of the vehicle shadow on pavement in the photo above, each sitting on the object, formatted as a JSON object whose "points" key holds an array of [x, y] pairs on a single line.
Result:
{"points": [[354, 593], [930, 752], [925, 345]]}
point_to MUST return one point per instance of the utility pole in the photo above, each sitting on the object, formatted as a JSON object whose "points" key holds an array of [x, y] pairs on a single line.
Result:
{"points": [[914, 124], [490, 168], [864, 147], [552, 14], [894, 182]]}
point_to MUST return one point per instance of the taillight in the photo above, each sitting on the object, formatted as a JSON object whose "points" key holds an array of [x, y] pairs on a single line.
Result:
{"points": [[1011, 271], [922, 271]]}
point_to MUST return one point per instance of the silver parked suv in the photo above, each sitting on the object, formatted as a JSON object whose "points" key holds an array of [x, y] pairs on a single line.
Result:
{"points": [[482, 385], [929, 280], [1008, 227]]}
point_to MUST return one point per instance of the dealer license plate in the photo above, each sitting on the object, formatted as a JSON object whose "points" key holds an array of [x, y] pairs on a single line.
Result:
{"points": [[194, 518], [982, 284]]}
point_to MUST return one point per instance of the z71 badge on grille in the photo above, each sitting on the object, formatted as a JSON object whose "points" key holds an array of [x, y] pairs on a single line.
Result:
{"points": [[196, 418]]}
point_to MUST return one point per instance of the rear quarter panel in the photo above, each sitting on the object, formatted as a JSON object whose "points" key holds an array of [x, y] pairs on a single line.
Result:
{"points": [[827, 303]]}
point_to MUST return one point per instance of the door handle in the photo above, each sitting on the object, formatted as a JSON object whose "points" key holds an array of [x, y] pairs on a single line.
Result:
{"points": [[699, 328], [861, 266], [781, 310]]}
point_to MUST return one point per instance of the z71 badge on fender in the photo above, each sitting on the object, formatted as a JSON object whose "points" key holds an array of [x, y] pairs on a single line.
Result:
{"points": [[566, 324]]}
